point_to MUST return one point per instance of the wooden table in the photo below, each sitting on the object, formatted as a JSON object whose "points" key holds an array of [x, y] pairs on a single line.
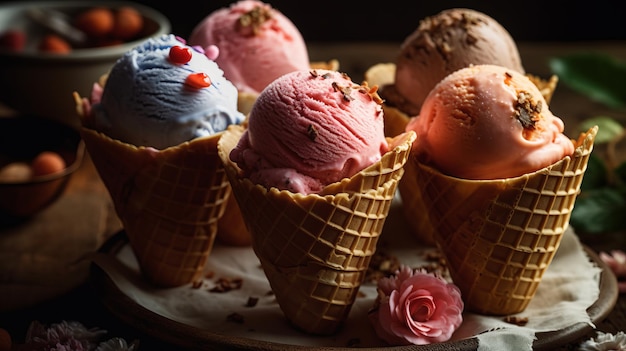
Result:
{"points": [[79, 302]]}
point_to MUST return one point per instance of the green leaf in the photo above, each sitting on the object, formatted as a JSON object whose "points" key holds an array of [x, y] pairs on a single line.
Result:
{"points": [[599, 76], [620, 172], [599, 211], [608, 128]]}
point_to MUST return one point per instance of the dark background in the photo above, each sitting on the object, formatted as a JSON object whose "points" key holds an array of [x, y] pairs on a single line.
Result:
{"points": [[393, 20]]}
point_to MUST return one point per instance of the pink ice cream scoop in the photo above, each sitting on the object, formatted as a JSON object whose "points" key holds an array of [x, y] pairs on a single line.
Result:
{"points": [[310, 128], [256, 43], [488, 122]]}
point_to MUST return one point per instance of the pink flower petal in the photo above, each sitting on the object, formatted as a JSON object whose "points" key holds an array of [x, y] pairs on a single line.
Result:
{"points": [[416, 307]]}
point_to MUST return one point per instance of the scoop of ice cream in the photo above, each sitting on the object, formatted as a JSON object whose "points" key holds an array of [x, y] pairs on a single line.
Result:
{"points": [[162, 93], [442, 44], [488, 122], [257, 43], [309, 129]]}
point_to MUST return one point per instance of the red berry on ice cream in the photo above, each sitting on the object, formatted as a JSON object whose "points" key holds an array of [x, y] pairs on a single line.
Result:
{"points": [[180, 55]]}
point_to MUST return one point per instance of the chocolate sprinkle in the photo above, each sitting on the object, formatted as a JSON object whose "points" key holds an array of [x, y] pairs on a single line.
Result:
{"points": [[436, 30], [346, 91], [225, 285], [527, 110], [364, 88], [255, 18], [516, 320], [252, 301], [312, 132]]}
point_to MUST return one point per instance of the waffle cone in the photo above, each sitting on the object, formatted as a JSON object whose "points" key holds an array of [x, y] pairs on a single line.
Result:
{"points": [[381, 75], [546, 86], [245, 100], [499, 236], [231, 228], [332, 65], [413, 208], [169, 202], [315, 249]]}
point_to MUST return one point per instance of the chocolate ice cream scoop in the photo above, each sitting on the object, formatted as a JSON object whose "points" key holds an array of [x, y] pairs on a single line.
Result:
{"points": [[442, 44]]}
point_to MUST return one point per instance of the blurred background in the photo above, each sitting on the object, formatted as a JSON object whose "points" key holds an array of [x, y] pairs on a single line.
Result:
{"points": [[393, 20], [356, 34]]}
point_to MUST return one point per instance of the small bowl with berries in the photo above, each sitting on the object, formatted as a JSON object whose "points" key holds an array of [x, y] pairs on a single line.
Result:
{"points": [[37, 159], [50, 49]]}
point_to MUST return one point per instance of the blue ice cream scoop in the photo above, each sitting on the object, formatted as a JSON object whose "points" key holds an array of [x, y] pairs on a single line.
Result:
{"points": [[164, 92]]}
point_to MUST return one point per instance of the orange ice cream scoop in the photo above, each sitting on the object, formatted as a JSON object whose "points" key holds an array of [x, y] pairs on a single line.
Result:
{"points": [[488, 122]]}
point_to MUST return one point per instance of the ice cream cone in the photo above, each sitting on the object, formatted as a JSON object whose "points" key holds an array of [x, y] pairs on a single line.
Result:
{"points": [[383, 74], [232, 230], [395, 123], [245, 100], [332, 65], [546, 86], [169, 202], [499, 236], [315, 249], [413, 205]]}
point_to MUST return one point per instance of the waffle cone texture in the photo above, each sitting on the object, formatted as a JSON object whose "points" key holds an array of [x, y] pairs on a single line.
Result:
{"points": [[169, 202], [315, 249], [500, 236]]}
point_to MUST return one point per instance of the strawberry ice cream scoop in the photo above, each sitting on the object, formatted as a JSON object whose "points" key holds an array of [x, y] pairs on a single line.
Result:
{"points": [[256, 42], [488, 122], [310, 128]]}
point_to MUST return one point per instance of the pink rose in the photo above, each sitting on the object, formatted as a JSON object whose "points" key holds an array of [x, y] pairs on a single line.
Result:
{"points": [[416, 307], [616, 260]]}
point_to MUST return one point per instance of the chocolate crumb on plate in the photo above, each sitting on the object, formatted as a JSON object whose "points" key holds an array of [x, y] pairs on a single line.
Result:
{"points": [[235, 317], [521, 321], [252, 301], [227, 284]]}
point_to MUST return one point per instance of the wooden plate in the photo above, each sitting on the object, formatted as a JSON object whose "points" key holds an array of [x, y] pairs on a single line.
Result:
{"points": [[184, 335]]}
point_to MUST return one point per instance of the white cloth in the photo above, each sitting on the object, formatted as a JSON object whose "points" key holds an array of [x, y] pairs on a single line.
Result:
{"points": [[568, 288]]}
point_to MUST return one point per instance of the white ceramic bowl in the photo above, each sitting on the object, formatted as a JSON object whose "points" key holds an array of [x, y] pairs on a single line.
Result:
{"points": [[42, 84]]}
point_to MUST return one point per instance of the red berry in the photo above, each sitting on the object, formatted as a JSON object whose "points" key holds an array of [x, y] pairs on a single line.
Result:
{"points": [[198, 80], [54, 44], [96, 22], [180, 55], [128, 23], [13, 40], [47, 162]]}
